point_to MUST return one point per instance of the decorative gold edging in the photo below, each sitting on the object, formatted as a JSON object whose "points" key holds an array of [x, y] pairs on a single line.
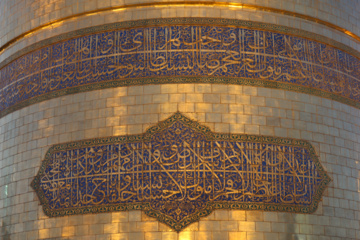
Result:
{"points": [[187, 79], [223, 22], [180, 80], [211, 206], [185, 3]]}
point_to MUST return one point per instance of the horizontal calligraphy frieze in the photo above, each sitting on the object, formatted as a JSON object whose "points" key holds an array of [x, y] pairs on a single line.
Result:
{"points": [[178, 171], [179, 51]]}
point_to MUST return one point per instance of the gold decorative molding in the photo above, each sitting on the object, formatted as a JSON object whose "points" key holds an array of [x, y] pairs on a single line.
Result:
{"points": [[184, 3]]}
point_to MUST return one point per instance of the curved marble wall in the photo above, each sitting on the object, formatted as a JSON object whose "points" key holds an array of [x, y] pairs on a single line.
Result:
{"points": [[111, 74]]}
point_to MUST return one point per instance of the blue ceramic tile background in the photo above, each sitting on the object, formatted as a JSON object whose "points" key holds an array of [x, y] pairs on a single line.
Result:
{"points": [[180, 51], [178, 171]]}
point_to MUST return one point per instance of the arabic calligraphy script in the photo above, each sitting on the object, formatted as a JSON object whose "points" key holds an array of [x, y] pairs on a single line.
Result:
{"points": [[179, 171], [161, 54]]}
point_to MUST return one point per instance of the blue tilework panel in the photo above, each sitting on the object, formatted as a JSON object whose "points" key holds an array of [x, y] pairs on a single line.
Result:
{"points": [[173, 51], [179, 171]]}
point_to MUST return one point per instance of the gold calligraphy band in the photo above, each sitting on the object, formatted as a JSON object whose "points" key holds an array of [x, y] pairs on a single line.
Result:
{"points": [[185, 3]]}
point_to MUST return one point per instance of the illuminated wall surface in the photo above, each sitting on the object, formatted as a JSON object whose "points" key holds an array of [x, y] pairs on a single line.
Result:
{"points": [[179, 120]]}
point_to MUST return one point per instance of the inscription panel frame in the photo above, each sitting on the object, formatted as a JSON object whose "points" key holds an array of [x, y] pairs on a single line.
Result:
{"points": [[206, 207]]}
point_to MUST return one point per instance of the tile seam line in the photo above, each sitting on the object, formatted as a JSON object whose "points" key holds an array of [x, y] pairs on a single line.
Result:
{"points": [[184, 3]]}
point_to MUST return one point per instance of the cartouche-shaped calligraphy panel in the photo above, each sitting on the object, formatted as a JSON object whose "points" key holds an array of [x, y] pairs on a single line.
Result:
{"points": [[179, 171]]}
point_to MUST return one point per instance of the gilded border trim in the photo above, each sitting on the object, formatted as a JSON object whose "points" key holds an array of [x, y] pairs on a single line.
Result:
{"points": [[180, 80], [211, 206], [186, 3], [192, 79], [183, 21]]}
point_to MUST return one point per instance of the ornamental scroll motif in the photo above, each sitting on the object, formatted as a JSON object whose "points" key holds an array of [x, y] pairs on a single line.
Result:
{"points": [[179, 171]]}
